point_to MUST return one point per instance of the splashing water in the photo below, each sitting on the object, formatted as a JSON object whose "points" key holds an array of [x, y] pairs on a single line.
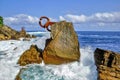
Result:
{"points": [[83, 70], [11, 50]]}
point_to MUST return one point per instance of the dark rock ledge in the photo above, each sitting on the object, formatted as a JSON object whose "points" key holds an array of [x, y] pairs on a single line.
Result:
{"points": [[108, 64]]}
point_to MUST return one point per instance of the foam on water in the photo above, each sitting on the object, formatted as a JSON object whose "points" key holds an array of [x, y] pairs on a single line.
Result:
{"points": [[83, 70], [40, 34], [11, 50]]}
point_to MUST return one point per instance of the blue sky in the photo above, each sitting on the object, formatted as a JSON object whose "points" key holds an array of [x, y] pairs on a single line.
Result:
{"points": [[86, 15]]}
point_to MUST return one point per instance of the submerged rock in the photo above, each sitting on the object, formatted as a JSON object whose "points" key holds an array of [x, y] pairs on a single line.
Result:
{"points": [[63, 46], [108, 64], [32, 55]]}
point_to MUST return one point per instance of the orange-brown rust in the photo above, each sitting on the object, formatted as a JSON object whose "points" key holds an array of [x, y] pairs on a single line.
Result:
{"points": [[48, 23]]}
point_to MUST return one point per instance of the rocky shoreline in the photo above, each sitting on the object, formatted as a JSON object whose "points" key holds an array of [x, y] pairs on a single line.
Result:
{"points": [[107, 62], [62, 48], [7, 33]]}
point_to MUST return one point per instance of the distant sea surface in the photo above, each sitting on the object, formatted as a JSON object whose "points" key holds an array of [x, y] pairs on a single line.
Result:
{"points": [[100, 39]]}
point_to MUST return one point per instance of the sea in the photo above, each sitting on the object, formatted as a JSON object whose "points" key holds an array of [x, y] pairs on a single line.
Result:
{"points": [[11, 50]]}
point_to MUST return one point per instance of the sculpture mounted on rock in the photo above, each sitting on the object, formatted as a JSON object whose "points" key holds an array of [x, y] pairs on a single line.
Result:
{"points": [[48, 23], [63, 46]]}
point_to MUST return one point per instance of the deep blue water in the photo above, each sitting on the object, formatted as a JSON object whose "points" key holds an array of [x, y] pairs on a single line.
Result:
{"points": [[105, 40]]}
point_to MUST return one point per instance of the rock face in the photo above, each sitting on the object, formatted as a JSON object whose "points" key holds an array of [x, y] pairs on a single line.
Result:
{"points": [[32, 55], [7, 33], [108, 64], [63, 46]]}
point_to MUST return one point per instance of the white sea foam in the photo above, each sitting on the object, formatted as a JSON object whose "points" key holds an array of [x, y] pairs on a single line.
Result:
{"points": [[11, 50], [83, 70], [39, 33]]}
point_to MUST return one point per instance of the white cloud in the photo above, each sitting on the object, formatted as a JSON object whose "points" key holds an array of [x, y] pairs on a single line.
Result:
{"points": [[73, 18], [97, 19], [76, 18], [21, 19], [113, 17], [106, 21]]}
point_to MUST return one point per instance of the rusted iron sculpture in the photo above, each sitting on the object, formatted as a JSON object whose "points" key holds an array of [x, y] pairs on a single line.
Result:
{"points": [[47, 24]]}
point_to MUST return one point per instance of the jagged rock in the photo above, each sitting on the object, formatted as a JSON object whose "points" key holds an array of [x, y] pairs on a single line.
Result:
{"points": [[2, 37], [7, 33], [63, 47], [32, 55], [108, 64], [22, 32]]}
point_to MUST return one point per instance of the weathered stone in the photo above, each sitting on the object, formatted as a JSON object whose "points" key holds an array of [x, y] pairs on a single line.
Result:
{"points": [[108, 64], [118, 75], [22, 32], [63, 47], [7, 33], [32, 55], [2, 37]]}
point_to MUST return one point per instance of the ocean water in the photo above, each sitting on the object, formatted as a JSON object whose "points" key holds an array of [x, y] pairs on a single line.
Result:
{"points": [[11, 50], [104, 39]]}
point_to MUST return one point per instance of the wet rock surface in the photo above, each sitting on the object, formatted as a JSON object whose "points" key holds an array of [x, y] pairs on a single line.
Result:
{"points": [[63, 46], [108, 64], [32, 55]]}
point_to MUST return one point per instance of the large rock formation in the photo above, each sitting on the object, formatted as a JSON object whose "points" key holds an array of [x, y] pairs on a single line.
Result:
{"points": [[108, 64], [7, 33], [32, 55], [63, 46]]}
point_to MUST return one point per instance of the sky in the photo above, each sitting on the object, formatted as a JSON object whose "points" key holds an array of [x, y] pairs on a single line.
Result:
{"points": [[86, 15]]}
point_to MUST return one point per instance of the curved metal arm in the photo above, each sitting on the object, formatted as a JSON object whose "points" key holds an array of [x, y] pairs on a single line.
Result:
{"points": [[46, 24]]}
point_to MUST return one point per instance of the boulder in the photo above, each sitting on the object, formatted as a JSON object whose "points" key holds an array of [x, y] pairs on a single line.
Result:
{"points": [[32, 55], [108, 64], [63, 46]]}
